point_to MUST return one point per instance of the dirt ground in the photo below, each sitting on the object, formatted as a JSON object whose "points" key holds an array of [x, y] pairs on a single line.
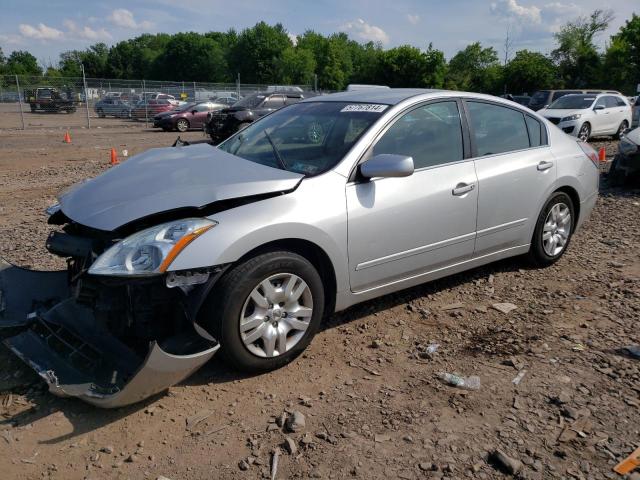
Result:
{"points": [[367, 386]]}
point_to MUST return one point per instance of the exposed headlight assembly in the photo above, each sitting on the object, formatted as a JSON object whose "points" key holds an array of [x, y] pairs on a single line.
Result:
{"points": [[575, 116], [151, 251], [627, 147]]}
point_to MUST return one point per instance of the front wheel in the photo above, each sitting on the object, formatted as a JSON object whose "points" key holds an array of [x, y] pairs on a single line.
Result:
{"points": [[553, 231], [182, 125], [585, 132], [265, 311]]}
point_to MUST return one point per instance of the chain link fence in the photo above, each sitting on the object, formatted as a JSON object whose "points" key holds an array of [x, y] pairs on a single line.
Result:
{"points": [[48, 101]]}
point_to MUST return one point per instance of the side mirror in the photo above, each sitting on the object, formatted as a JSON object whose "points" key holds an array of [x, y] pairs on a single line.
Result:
{"points": [[598, 107], [387, 165]]}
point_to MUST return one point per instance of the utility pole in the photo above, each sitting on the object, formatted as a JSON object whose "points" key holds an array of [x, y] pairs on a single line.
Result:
{"points": [[86, 95], [238, 85], [508, 42], [20, 101]]}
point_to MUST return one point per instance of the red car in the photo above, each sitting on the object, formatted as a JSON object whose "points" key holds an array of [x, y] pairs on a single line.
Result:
{"points": [[191, 115], [151, 108]]}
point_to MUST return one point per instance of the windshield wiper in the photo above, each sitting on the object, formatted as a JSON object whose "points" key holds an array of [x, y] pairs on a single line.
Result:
{"points": [[281, 161]]}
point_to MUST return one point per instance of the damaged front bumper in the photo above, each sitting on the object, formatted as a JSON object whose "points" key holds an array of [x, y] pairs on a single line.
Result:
{"points": [[76, 355]]}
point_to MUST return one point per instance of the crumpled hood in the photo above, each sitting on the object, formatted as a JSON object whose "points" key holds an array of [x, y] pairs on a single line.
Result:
{"points": [[164, 179], [634, 136]]}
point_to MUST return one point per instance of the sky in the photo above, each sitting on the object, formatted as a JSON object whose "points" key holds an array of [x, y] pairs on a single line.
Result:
{"points": [[48, 28]]}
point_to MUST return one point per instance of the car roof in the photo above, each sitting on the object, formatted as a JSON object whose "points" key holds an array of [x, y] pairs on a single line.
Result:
{"points": [[389, 96]]}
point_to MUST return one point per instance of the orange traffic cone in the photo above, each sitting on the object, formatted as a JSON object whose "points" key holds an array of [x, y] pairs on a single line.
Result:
{"points": [[114, 157], [67, 138], [602, 154]]}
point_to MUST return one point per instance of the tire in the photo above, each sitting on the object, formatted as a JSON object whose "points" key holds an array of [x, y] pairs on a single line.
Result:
{"points": [[124, 114], [585, 132], [182, 125], [541, 253], [231, 301], [100, 113], [623, 126]]}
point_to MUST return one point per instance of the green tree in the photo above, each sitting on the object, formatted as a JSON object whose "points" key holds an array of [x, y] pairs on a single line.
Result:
{"points": [[403, 66], [21, 62], [193, 57], [576, 55], [622, 58], [436, 73], [529, 71], [365, 60], [135, 58], [295, 66], [475, 69], [257, 52]]}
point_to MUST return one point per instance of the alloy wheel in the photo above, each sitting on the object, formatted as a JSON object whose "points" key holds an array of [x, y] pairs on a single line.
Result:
{"points": [[182, 125], [276, 315], [556, 230], [585, 132]]}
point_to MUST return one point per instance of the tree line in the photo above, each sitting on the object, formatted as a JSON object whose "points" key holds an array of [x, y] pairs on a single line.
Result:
{"points": [[267, 54]]}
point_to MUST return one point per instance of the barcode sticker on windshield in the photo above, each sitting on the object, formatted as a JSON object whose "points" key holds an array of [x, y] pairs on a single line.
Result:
{"points": [[365, 107]]}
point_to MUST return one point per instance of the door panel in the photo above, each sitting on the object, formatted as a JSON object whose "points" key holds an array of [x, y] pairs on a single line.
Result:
{"points": [[402, 226], [511, 187]]}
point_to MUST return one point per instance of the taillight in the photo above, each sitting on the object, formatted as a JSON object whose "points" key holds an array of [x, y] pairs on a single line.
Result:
{"points": [[589, 152]]}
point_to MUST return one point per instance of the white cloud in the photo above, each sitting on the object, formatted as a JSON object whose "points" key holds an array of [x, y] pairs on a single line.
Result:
{"points": [[41, 32], [294, 38], [557, 8], [86, 32], [511, 10], [365, 31], [413, 19], [11, 39], [121, 17]]}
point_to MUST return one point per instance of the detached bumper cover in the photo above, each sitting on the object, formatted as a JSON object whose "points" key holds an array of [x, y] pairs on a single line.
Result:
{"points": [[77, 356]]}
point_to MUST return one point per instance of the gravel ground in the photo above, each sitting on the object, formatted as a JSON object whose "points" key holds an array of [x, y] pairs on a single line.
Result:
{"points": [[364, 400]]}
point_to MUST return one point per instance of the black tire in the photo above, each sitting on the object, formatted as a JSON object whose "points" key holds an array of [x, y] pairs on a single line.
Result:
{"points": [[537, 254], [623, 126], [222, 310], [100, 113], [182, 125], [585, 132]]}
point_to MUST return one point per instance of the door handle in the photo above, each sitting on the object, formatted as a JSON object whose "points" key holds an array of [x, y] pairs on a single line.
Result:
{"points": [[542, 166], [463, 188]]}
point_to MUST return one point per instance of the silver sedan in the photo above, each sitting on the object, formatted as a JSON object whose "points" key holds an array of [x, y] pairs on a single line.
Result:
{"points": [[182, 252]]}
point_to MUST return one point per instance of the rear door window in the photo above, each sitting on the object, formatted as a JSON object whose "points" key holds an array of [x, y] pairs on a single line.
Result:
{"points": [[535, 131], [497, 129]]}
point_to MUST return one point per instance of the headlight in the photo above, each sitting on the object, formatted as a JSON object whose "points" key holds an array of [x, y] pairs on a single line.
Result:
{"points": [[627, 147], [55, 208], [575, 116], [151, 251]]}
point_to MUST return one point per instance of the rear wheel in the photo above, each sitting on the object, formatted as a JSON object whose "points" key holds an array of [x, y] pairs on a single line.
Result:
{"points": [[182, 125], [265, 311], [553, 231], [621, 129], [585, 132]]}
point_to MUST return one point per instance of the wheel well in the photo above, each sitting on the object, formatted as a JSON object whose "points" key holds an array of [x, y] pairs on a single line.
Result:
{"points": [[573, 194], [312, 252]]}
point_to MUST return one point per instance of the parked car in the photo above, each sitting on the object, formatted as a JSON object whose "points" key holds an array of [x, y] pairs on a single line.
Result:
{"points": [[227, 98], [51, 100], [521, 99], [220, 125], [544, 98], [586, 115], [179, 253], [112, 106], [635, 121], [150, 108], [626, 164], [191, 115]]}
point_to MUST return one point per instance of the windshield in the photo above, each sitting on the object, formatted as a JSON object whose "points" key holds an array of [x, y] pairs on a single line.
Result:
{"points": [[573, 102], [307, 138], [252, 101]]}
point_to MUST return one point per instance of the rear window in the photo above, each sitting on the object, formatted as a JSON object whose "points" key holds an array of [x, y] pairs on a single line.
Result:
{"points": [[497, 129]]}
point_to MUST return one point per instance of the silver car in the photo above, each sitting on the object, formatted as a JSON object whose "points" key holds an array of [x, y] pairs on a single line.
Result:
{"points": [[182, 252]]}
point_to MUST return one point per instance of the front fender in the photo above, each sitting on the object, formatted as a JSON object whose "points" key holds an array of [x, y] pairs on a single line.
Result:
{"points": [[297, 215]]}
